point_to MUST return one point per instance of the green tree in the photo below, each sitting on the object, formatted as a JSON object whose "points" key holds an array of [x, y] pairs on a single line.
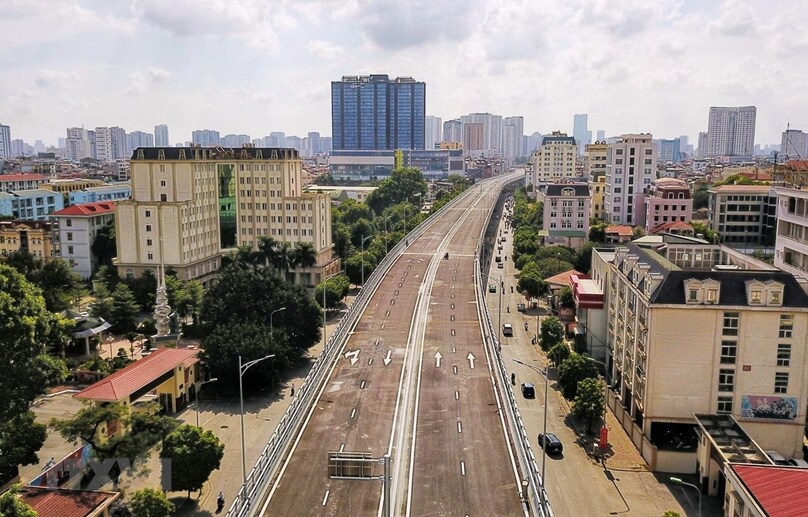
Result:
{"points": [[531, 284], [576, 368], [588, 403], [403, 185], [561, 253], [597, 232], [194, 454], [150, 502], [583, 257], [61, 286], [566, 298], [267, 250], [124, 309], [671, 513], [356, 263], [552, 332], [12, 506], [336, 288], [106, 276], [552, 267], [144, 289], [559, 353], [637, 232], [104, 246], [701, 227], [27, 368], [121, 360], [144, 429], [284, 257], [304, 255]]}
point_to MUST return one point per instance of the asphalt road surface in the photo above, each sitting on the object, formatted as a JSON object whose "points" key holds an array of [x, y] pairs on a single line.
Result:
{"points": [[413, 381]]}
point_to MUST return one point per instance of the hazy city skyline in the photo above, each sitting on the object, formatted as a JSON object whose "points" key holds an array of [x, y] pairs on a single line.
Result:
{"points": [[247, 66]]}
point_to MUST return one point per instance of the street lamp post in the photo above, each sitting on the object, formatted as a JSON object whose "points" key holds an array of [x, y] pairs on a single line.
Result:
{"points": [[241, 369], [499, 317], [270, 322], [363, 257], [544, 432], [691, 485], [196, 393]]}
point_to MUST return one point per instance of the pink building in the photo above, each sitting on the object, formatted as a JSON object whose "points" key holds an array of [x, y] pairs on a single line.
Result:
{"points": [[666, 200]]}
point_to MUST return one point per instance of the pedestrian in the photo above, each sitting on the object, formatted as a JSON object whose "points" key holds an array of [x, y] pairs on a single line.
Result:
{"points": [[293, 390]]}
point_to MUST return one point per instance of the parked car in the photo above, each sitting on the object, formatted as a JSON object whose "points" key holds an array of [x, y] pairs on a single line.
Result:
{"points": [[550, 443], [528, 391], [492, 288], [507, 329], [777, 458], [500, 265], [796, 462], [520, 307]]}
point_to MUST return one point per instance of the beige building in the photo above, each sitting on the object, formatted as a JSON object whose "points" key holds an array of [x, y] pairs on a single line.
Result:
{"points": [[66, 186], [191, 205], [699, 328], [34, 237], [554, 160], [743, 215], [791, 246], [595, 171], [631, 166]]}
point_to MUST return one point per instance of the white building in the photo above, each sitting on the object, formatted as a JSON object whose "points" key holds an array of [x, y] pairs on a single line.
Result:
{"points": [[491, 131], [103, 144], [78, 226], [631, 164], [513, 137], [433, 131], [77, 144], [794, 145], [791, 244], [554, 160], [731, 131], [161, 135], [21, 181], [5, 142]]}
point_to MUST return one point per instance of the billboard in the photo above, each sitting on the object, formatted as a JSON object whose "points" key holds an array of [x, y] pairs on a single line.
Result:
{"points": [[768, 408]]}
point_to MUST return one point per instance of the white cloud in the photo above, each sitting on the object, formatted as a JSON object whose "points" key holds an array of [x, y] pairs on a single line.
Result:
{"points": [[324, 49], [60, 78]]}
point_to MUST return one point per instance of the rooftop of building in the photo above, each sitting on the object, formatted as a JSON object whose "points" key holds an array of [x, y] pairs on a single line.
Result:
{"points": [[46, 225], [135, 376], [67, 503], [217, 153], [108, 187], [779, 491], [34, 192], [670, 227], [564, 279], [731, 440], [741, 189], [619, 229], [23, 177], [558, 189], [86, 209]]}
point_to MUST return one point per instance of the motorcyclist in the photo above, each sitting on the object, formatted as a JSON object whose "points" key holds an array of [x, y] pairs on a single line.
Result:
{"points": [[220, 501]]}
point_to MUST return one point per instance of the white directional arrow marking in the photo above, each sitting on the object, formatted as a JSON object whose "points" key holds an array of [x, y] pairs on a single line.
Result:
{"points": [[354, 355], [388, 360], [471, 360], [438, 357]]}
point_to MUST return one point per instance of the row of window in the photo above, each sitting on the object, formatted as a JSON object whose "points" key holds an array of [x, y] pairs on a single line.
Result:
{"points": [[278, 231], [726, 383], [275, 219], [566, 225], [729, 353]]}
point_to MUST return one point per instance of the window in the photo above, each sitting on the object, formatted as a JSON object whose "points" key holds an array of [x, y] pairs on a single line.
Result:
{"points": [[70, 236], [163, 197], [724, 405], [162, 183], [774, 297], [148, 227], [148, 213], [781, 382], [726, 380], [712, 295], [69, 222], [755, 297], [729, 351], [150, 256], [70, 252], [786, 324], [783, 354], [694, 295], [731, 323], [148, 242]]}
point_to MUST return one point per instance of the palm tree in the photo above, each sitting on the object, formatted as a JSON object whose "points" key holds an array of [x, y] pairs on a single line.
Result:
{"points": [[268, 248], [304, 255], [284, 258], [243, 256]]}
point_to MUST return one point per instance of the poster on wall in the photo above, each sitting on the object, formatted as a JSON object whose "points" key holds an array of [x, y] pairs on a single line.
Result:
{"points": [[768, 408]]}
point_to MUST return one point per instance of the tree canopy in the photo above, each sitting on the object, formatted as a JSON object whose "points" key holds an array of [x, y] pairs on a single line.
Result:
{"points": [[336, 288], [404, 185], [60, 285], [12, 506], [552, 332], [194, 454], [589, 403], [573, 370], [150, 502]]}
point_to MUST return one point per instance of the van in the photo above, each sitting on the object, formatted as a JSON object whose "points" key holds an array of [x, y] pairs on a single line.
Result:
{"points": [[498, 258]]}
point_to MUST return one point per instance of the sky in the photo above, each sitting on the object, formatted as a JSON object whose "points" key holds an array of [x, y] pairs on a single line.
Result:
{"points": [[257, 66]]}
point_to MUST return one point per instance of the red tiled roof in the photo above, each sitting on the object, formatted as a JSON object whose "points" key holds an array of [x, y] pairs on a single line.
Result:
{"points": [[66, 503], [564, 278], [101, 207], [620, 230], [678, 225], [780, 491], [797, 165], [23, 177], [128, 380]]}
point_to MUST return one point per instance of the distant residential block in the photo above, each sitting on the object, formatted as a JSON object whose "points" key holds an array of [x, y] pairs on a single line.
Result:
{"points": [[21, 181], [743, 215], [108, 192], [566, 214], [31, 205], [78, 226]]}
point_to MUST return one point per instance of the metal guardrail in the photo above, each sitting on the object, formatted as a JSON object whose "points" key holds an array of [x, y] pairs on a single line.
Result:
{"points": [[537, 495], [290, 423]]}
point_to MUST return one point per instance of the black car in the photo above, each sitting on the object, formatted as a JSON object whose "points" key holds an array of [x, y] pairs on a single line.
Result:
{"points": [[528, 391], [553, 444]]}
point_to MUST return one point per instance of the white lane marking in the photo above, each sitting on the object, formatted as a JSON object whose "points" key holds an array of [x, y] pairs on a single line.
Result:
{"points": [[438, 357], [362, 385], [463, 468], [457, 395], [459, 428], [353, 412], [341, 447], [325, 499], [471, 359], [388, 359], [455, 369], [353, 355]]}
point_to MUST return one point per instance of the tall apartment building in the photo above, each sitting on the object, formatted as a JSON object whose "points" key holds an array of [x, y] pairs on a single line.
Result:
{"points": [[743, 215], [702, 150], [191, 205], [697, 328], [473, 136], [234, 141], [433, 132], [794, 145], [670, 151], [103, 145], [120, 143], [513, 137], [77, 226], [595, 171], [5, 142], [554, 160], [205, 137], [77, 144], [277, 139], [492, 131], [161, 135], [453, 131], [791, 245], [580, 131], [731, 131], [666, 200], [566, 214], [140, 139], [373, 112], [631, 164]]}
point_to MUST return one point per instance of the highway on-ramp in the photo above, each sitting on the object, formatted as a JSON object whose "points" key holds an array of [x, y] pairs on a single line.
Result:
{"points": [[413, 381]]}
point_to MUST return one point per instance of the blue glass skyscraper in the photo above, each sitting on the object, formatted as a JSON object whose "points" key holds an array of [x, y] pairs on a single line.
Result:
{"points": [[374, 113]]}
